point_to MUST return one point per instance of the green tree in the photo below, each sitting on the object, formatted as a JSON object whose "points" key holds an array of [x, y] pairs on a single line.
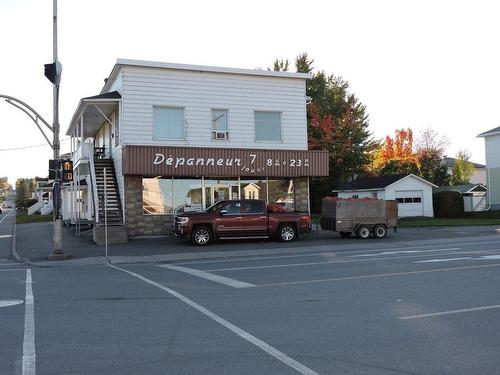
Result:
{"points": [[430, 148], [337, 121], [24, 188], [280, 65], [4, 188], [399, 166], [463, 169]]}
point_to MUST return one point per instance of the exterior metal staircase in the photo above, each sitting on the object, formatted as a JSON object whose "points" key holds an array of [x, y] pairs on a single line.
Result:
{"points": [[108, 197]]}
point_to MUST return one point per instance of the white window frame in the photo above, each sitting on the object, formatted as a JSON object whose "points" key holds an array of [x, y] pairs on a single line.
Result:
{"points": [[255, 126], [183, 137], [215, 131]]}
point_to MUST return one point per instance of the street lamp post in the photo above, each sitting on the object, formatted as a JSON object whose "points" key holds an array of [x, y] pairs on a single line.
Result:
{"points": [[57, 251], [53, 73]]}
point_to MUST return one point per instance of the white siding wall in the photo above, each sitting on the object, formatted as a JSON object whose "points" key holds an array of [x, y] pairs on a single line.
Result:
{"points": [[199, 92], [117, 161], [492, 149], [413, 184]]}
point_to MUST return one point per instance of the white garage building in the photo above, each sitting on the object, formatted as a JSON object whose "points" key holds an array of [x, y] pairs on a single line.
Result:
{"points": [[413, 193]]}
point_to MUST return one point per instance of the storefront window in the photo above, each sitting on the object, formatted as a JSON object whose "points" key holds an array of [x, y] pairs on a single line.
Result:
{"points": [[281, 192], [167, 196], [254, 189], [157, 196], [187, 195], [220, 189]]}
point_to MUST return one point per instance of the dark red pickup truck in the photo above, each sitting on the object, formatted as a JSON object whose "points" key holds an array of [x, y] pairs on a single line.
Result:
{"points": [[245, 218]]}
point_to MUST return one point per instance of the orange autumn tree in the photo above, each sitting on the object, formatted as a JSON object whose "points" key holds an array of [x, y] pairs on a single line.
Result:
{"points": [[396, 155]]}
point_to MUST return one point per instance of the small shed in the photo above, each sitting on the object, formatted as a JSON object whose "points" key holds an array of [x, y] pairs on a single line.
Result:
{"points": [[413, 193], [475, 195]]}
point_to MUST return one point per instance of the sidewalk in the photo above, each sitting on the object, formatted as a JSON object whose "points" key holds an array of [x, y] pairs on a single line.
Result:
{"points": [[34, 243]]}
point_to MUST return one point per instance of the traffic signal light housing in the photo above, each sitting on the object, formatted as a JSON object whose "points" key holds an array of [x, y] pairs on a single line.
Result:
{"points": [[67, 171], [62, 168]]}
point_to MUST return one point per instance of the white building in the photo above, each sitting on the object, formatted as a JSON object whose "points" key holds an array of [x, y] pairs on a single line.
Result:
{"points": [[492, 149], [175, 137], [478, 176], [413, 193]]}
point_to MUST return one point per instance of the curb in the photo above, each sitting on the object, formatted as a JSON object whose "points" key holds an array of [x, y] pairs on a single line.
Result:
{"points": [[16, 255]]}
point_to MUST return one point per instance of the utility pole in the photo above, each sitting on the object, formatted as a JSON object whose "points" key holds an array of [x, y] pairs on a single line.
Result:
{"points": [[57, 251], [53, 73]]}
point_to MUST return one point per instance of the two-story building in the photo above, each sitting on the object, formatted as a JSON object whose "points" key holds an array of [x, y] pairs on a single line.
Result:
{"points": [[492, 150], [173, 138]]}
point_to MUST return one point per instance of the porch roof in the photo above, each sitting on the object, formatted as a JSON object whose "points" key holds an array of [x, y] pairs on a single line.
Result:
{"points": [[95, 110]]}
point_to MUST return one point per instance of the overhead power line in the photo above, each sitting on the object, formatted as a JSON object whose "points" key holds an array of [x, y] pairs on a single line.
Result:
{"points": [[28, 147]]}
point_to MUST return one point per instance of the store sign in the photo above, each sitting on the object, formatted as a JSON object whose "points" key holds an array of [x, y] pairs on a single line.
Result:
{"points": [[190, 161]]}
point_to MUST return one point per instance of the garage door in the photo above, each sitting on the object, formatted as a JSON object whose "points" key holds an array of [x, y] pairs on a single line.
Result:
{"points": [[411, 203]]}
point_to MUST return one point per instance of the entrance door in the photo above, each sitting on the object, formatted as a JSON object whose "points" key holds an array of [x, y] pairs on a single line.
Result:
{"points": [[228, 220]]}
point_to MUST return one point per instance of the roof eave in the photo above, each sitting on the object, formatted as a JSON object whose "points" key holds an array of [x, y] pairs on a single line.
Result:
{"points": [[209, 69], [411, 174]]}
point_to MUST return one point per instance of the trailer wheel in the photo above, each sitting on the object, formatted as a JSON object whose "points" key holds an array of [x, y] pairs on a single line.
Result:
{"points": [[363, 232], [345, 234], [380, 231], [287, 232]]}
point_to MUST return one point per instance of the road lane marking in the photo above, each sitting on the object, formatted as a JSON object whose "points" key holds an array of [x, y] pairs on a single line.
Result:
{"points": [[402, 252], [29, 354], [12, 269], [5, 217], [210, 276], [378, 275], [450, 312], [10, 302], [329, 262], [238, 331], [482, 257], [302, 254]]}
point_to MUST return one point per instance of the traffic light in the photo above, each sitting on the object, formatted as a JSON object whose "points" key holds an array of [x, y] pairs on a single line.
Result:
{"points": [[67, 169], [54, 166], [53, 72]]}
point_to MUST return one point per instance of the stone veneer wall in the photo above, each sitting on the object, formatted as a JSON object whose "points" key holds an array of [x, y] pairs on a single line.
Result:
{"points": [[136, 222], [301, 194]]}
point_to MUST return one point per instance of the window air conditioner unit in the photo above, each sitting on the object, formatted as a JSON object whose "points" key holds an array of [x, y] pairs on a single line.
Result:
{"points": [[220, 135]]}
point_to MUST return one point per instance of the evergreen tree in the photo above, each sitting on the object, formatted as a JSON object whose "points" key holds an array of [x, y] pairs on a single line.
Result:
{"points": [[337, 121]]}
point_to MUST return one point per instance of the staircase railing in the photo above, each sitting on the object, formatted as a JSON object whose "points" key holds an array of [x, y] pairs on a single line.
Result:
{"points": [[95, 197]]}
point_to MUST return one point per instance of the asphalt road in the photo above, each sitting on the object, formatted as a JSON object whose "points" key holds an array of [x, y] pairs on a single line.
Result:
{"points": [[430, 307]]}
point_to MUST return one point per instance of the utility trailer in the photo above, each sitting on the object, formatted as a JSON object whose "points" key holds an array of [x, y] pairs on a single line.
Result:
{"points": [[365, 217]]}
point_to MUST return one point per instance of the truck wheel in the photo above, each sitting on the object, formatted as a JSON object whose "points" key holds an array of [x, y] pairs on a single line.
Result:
{"points": [[363, 232], [345, 234], [287, 232], [380, 231], [201, 236]]}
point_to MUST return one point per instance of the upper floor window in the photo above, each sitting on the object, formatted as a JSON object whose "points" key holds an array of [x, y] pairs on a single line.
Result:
{"points": [[168, 122], [267, 126], [220, 124]]}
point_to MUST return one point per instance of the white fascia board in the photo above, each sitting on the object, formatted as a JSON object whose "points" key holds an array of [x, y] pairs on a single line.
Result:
{"points": [[412, 175], [488, 135]]}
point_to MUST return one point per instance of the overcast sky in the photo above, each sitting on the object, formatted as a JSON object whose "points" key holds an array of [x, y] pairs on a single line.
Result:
{"points": [[413, 64]]}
